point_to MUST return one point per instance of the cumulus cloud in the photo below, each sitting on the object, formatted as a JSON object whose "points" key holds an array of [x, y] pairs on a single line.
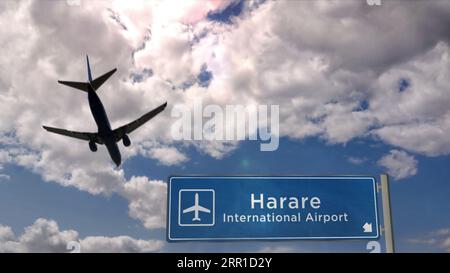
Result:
{"points": [[166, 155], [119, 244], [45, 236], [147, 201], [416, 119], [6, 234], [399, 164]]}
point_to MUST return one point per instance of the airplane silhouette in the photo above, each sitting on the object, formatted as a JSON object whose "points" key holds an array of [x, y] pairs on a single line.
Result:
{"points": [[105, 134], [196, 208]]}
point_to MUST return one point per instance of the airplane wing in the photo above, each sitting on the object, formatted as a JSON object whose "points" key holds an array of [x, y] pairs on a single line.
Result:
{"points": [[130, 127], [78, 135], [189, 209], [200, 208]]}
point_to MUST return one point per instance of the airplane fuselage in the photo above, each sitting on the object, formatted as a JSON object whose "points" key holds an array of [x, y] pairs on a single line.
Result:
{"points": [[103, 125]]}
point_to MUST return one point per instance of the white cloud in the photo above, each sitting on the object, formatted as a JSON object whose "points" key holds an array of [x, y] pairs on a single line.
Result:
{"points": [[44, 236], [399, 164], [6, 234], [119, 244], [439, 238], [216, 149], [356, 160], [417, 119], [166, 155], [147, 201]]}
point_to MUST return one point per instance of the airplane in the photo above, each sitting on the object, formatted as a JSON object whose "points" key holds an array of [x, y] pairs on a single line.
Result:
{"points": [[105, 135], [196, 208]]}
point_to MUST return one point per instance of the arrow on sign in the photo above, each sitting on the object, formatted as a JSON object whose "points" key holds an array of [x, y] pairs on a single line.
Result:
{"points": [[367, 227]]}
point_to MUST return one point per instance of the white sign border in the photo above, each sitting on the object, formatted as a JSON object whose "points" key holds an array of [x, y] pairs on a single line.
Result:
{"points": [[374, 183]]}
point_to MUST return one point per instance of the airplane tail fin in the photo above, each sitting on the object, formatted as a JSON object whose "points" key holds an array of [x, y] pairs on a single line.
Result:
{"points": [[84, 86], [100, 80], [89, 69]]}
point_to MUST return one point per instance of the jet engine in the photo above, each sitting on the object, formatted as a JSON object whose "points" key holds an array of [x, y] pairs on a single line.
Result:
{"points": [[126, 141], [92, 146]]}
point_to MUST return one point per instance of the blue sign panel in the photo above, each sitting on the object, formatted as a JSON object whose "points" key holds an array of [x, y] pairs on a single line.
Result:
{"points": [[285, 207]]}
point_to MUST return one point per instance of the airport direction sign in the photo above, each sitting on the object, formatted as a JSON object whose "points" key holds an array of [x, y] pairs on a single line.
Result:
{"points": [[271, 207]]}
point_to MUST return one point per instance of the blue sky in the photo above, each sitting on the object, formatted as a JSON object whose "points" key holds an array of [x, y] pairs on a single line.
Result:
{"points": [[417, 202], [354, 100]]}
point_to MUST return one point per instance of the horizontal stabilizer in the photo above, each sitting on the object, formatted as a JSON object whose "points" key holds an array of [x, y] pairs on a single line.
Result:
{"points": [[83, 86], [100, 80]]}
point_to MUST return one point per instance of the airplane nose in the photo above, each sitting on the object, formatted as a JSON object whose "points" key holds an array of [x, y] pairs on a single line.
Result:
{"points": [[117, 160], [114, 153]]}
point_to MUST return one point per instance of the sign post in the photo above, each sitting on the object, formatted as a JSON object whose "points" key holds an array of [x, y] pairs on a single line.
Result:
{"points": [[387, 216], [272, 207]]}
